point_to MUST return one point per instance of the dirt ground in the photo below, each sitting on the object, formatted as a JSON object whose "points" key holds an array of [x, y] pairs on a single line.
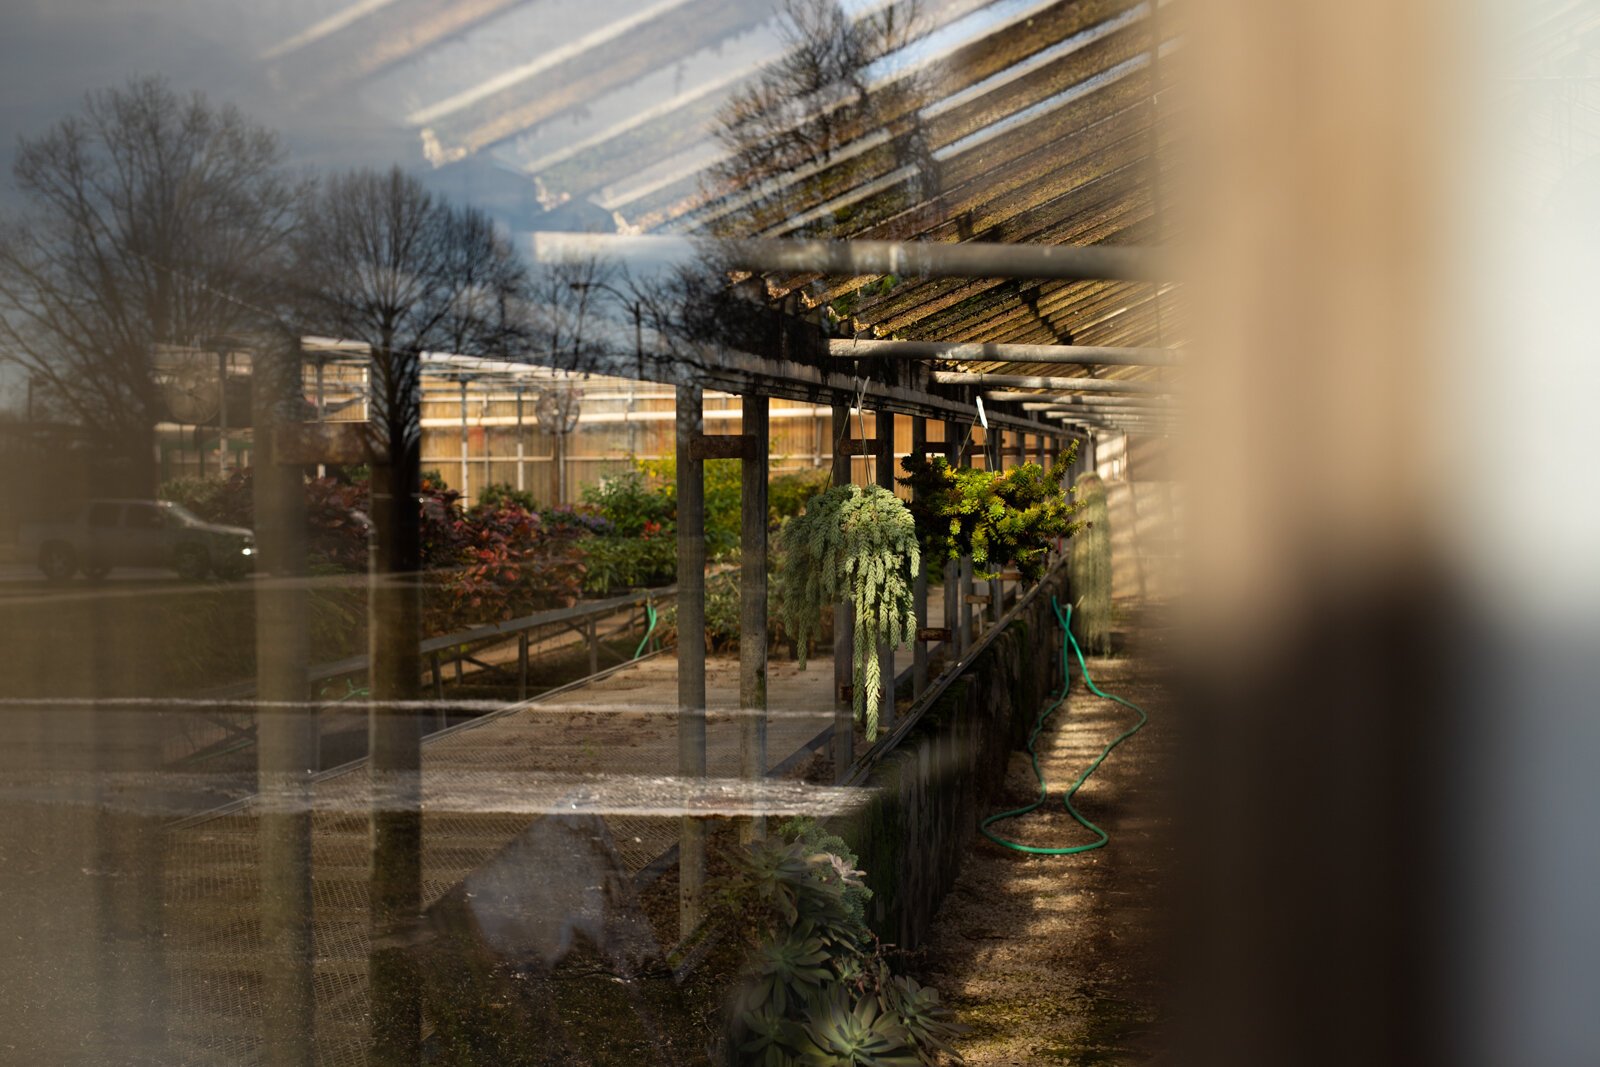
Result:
{"points": [[1059, 959]]}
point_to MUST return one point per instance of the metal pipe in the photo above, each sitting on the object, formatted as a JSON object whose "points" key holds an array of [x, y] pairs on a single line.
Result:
{"points": [[322, 407], [1081, 355], [1097, 403], [1027, 381], [919, 259], [521, 457]]}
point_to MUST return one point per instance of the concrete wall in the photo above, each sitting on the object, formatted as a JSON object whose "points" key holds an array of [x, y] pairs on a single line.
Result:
{"points": [[921, 804]]}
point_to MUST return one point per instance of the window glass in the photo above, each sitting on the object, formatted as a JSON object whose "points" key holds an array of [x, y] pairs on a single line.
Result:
{"points": [[144, 517], [104, 514]]}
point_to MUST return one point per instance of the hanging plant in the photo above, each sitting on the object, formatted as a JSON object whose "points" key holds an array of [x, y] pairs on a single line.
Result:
{"points": [[998, 518], [856, 544]]}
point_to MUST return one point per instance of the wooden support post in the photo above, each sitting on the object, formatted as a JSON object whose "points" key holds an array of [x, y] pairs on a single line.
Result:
{"points": [[954, 433], [843, 625], [395, 725], [753, 606], [286, 730], [591, 634], [522, 665], [691, 651], [919, 588], [964, 590], [884, 468], [995, 444]]}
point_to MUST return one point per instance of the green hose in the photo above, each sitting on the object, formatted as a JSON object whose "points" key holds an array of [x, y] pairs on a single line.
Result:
{"points": [[1038, 727], [650, 617]]}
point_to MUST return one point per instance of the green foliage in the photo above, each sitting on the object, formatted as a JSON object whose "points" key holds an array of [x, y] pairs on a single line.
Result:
{"points": [[484, 565], [722, 482], [633, 504], [787, 493], [856, 544], [817, 987], [617, 563], [998, 518], [1091, 569], [502, 494], [637, 510]]}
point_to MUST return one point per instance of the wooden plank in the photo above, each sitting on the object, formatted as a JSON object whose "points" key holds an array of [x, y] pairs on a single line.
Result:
{"points": [[723, 446]]}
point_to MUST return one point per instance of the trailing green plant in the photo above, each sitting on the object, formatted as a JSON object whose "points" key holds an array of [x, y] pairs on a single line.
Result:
{"points": [[859, 545], [999, 518], [817, 986], [1091, 569]]}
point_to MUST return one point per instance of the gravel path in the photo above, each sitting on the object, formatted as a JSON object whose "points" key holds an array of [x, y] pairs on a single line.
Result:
{"points": [[1059, 959]]}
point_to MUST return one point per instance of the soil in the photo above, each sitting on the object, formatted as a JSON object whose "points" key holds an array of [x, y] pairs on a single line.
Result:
{"points": [[1060, 959]]}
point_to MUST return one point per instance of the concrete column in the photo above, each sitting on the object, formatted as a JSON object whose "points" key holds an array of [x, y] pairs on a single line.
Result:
{"points": [[753, 606], [919, 588], [843, 620], [691, 651], [884, 469]]}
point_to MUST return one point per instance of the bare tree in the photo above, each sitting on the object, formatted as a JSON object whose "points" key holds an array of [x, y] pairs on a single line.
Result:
{"points": [[383, 261], [153, 219], [798, 133]]}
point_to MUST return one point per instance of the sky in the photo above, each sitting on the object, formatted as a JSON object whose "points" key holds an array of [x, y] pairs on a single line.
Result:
{"points": [[54, 51]]}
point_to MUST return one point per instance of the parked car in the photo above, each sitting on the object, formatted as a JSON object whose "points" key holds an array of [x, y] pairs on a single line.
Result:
{"points": [[137, 533]]}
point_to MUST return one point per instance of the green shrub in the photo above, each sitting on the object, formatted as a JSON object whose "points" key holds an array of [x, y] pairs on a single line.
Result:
{"points": [[722, 480], [615, 563], [817, 986], [787, 494], [502, 494], [997, 518], [634, 504]]}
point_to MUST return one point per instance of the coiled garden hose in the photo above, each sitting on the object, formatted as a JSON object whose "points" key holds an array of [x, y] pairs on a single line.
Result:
{"points": [[650, 618], [1038, 727]]}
